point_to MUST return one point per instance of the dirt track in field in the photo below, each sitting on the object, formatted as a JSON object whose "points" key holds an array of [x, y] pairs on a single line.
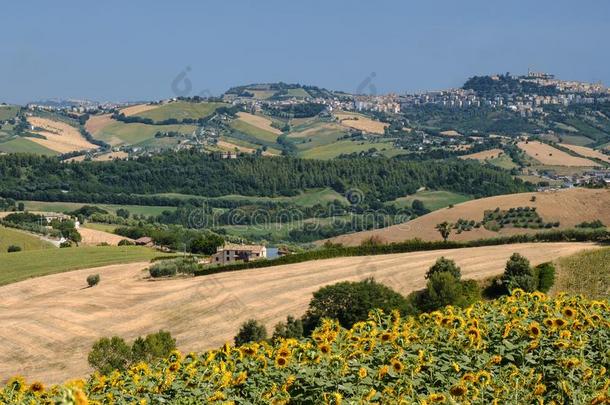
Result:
{"points": [[49, 323]]}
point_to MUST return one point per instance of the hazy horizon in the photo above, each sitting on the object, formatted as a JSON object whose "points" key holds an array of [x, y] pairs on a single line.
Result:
{"points": [[126, 52]]}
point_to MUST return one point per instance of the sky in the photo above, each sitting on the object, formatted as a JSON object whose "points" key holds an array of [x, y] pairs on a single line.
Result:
{"points": [[149, 50]]}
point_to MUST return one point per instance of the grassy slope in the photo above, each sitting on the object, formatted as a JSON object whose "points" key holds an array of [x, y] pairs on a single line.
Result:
{"points": [[586, 273], [8, 112], [22, 265], [119, 133], [68, 206], [253, 131], [335, 149], [180, 110], [24, 145], [24, 240], [433, 200]]}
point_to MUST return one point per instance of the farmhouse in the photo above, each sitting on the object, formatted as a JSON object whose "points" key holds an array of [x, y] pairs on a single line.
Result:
{"points": [[230, 253]]}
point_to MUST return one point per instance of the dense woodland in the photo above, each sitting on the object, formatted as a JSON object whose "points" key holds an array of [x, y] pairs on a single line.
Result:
{"points": [[46, 178]]}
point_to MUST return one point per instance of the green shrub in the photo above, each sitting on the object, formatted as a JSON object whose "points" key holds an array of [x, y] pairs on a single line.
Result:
{"points": [[291, 329], [109, 354], [442, 289], [250, 331], [350, 302], [126, 242], [93, 279], [519, 274], [153, 346], [546, 276], [444, 265], [174, 266], [13, 248]]}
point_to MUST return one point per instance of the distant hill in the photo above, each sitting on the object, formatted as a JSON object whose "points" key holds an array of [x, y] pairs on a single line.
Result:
{"points": [[569, 207]]}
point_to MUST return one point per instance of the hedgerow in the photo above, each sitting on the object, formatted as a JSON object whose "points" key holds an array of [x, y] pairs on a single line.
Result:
{"points": [[520, 349]]}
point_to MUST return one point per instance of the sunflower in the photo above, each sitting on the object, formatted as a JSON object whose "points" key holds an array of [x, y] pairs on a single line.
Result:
{"points": [[440, 398], [383, 371], [362, 372], [559, 323], [569, 312], [397, 366], [386, 337], [483, 377], [458, 390], [562, 344], [549, 322], [539, 389], [534, 330], [473, 334], [496, 359], [469, 377], [281, 361], [571, 363], [324, 348], [37, 387], [283, 352], [175, 366]]}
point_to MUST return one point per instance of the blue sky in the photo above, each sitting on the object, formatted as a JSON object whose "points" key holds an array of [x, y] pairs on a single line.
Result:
{"points": [[133, 50]]}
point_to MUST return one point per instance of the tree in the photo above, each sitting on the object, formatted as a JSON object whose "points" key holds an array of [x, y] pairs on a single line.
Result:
{"points": [[445, 265], [93, 280], [519, 274], [154, 346], [125, 242], [13, 248], [206, 245], [21, 207], [444, 228], [350, 302], [109, 354], [291, 329], [123, 213], [250, 331], [442, 289], [546, 276]]}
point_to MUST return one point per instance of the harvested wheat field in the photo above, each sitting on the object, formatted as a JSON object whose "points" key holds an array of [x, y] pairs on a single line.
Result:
{"points": [[60, 136], [49, 323], [570, 207], [486, 154], [137, 109], [548, 155], [451, 132], [93, 237], [98, 122], [361, 122], [259, 122], [587, 152]]}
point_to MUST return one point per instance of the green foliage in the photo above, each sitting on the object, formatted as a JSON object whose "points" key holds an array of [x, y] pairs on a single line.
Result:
{"points": [[154, 346], [445, 265], [164, 268], [13, 248], [350, 302], [93, 280], [593, 224], [291, 329], [444, 228], [441, 289], [519, 274], [250, 331], [123, 213], [109, 354], [546, 276]]}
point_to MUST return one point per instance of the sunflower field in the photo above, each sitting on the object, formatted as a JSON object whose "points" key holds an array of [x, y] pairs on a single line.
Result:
{"points": [[520, 349]]}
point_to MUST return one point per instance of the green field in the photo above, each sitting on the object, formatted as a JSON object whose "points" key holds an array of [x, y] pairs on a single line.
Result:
{"points": [[504, 162], [120, 133], [24, 145], [181, 110], [299, 93], [433, 200], [576, 140], [255, 132], [101, 227], [586, 273], [8, 111], [68, 206], [23, 265], [335, 149], [308, 198], [22, 239]]}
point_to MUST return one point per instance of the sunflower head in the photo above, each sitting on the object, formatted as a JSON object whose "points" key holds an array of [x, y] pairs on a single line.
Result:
{"points": [[397, 366], [569, 312], [281, 361], [458, 390], [534, 330], [324, 348], [37, 387], [362, 372]]}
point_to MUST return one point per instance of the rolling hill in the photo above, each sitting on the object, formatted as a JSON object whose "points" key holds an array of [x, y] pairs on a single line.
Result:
{"points": [[569, 207], [51, 322]]}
